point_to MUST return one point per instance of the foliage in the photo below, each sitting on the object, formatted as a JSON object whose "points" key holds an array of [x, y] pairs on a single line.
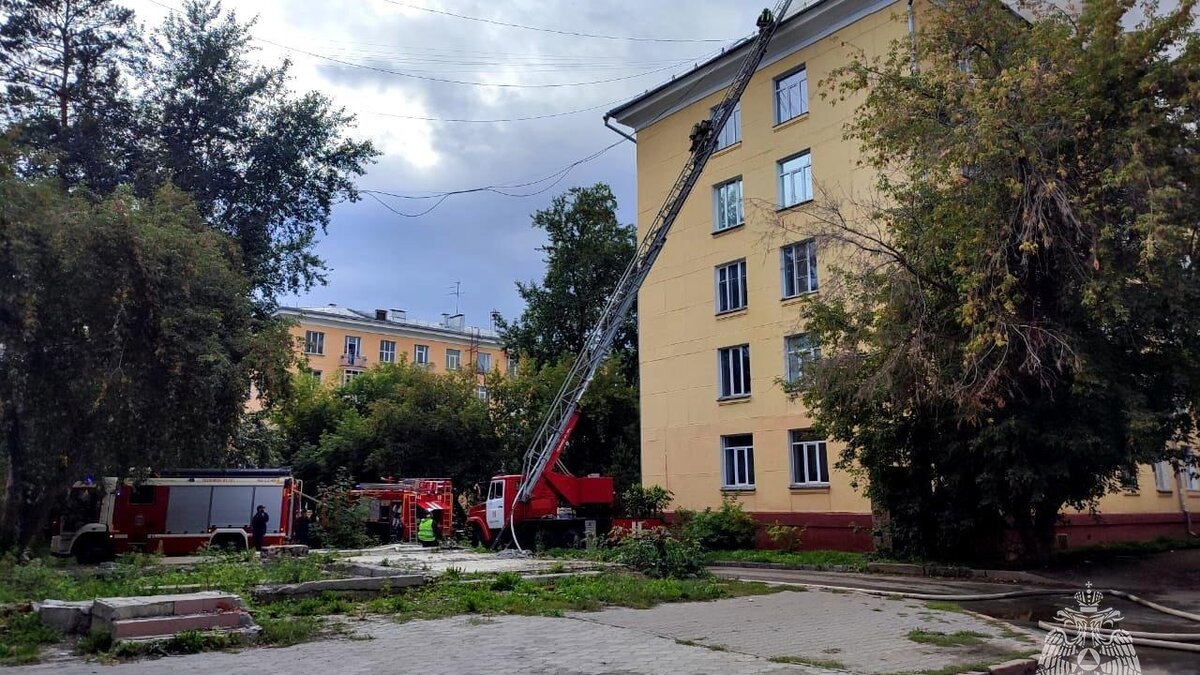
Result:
{"points": [[288, 631], [786, 538], [638, 501], [340, 523], [1012, 321], [23, 636], [141, 361], [962, 638], [657, 553], [819, 559], [587, 252], [727, 528]]}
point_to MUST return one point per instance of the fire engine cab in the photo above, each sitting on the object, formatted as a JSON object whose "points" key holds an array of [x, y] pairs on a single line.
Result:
{"points": [[175, 512]]}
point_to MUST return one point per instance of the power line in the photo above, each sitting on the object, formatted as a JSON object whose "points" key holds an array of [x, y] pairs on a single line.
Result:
{"points": [[504, 119], [551, 30]]}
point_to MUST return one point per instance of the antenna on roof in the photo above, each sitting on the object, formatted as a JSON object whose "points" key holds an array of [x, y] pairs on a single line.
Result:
{"points": [[457, 293]]}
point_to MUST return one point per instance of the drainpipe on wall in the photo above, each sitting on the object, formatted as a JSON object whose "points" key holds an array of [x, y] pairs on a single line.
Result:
{"points": [[1181, 489], [912, 35]]}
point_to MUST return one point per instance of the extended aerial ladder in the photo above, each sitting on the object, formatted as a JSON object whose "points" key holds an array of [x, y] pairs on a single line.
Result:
{"points": [[563, 414]]}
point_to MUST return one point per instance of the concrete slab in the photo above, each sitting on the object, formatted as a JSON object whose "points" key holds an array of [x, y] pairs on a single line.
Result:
{"points": [[348, 585], [413, 558], [66, 616], [154, 626]]}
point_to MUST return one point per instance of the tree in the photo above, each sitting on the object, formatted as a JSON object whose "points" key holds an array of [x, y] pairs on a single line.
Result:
{"points": [[63, 64], [1015, 320], [263, 165], [587, 252], [141, 361]]}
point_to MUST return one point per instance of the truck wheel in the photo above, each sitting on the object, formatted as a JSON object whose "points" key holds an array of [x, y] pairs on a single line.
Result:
{"points": [[92, 550], [229, 543], [475, 533]]}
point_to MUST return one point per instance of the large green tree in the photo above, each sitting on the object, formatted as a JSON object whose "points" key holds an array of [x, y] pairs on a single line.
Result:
{"points": [[125, 335], [1016, 319]]}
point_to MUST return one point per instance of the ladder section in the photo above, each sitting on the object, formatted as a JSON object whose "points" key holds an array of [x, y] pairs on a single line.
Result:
{"points": [[559, 421]]}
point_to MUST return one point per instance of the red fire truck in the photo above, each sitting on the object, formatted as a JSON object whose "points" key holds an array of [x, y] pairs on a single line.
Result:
{"points": [[175, 512], [406, 499]]}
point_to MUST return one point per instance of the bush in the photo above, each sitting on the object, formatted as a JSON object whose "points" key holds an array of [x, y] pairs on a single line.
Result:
{"points": [[725, 529], [785, 537], [343, 520], [645, 502], [656, 553]]}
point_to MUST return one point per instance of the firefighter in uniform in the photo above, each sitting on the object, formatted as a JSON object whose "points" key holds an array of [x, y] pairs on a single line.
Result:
{"points": [[427, 530]]}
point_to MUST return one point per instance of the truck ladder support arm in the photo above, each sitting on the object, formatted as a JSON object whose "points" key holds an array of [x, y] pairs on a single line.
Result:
{"points": [[560, 418]]}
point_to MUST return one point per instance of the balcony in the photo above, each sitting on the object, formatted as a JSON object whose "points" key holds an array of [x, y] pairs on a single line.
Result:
{"points": [[354, 361]]}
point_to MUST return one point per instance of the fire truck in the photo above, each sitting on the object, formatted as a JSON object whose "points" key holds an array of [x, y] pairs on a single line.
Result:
{"points": [[545, 501], [405, 500], [175, 512]]}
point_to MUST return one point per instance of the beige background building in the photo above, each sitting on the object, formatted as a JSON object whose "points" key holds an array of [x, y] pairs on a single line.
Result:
{"points": [[719, 326]]}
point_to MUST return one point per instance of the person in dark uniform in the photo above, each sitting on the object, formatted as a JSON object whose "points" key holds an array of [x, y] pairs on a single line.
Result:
{"points": [[303, 523], [258, 526]]}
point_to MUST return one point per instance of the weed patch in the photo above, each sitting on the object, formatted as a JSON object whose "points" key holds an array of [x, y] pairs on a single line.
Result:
{"points": [[287, 631], [23, 635], [962, 638], [819, 559], [808, 661], [942, 606]]}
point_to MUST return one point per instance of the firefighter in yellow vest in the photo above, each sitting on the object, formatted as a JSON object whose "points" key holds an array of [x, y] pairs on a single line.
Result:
{"points": [[427, 532]]}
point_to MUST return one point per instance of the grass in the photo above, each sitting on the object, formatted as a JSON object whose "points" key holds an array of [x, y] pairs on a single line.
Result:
{"points": [[848, 560], [287, 631], [958, 668], [942, 606], [962, 638], [22, 636], [807, 661]]}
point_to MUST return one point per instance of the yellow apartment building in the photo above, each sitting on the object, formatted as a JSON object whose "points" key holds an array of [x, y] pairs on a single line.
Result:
{"points": [[719, 324], [339, 343]]}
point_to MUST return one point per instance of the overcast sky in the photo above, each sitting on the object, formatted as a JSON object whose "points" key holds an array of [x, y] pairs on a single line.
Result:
{"points": [[378, 259]]}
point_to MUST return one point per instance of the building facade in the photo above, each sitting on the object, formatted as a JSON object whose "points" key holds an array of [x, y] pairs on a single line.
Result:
{"points": [[338, 343], [719, 323]]}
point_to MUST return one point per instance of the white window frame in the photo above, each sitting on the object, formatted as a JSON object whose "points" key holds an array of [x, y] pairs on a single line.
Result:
{"points": [[453, 359], [315, 374], [1163, 473], [722, 194], [733, 372], [314, 338], [512, 365], [731, 133], [483, 363], [798, 350], [795, 283], [791, 95], [795, 179], [421, 355], [731, 292], [737, 462], [353, 340], [481, 393], [348, 375], [1191, 470], [804, 447], [387, 351]]}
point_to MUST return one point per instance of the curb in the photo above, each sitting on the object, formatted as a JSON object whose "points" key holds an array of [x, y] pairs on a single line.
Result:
{"points": [[1015, 667], [902, 569]]}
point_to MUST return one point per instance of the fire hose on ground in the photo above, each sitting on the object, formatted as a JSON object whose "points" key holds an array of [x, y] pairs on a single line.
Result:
{"points": [[1187, 642]]}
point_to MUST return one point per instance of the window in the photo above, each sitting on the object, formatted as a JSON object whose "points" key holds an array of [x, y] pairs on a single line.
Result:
{"points": [[348, 375], [315, 374], [141, 494], [453, 359], [733, 371], [1192, 470], [737, 454], [810, 460], [1162, 476], [387, 351], [727, 202], [791, 96], [799, 350], [314, 342], [1128, 477], [481, 393], [731, 133], [421, 355], [483, 363], [795, 180], [731, 287], [512, 365], [353, 345], [799, 268]]}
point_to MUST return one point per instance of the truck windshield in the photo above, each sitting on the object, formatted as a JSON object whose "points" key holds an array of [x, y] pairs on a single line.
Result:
{"points": [[81, 508]]}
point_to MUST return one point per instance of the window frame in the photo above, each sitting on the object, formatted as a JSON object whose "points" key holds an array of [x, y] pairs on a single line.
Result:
{"points": [[418, 351], [718, 190], [803, 441], [457, 354], [734, 123], [806, 169], [310, 342], [778, 86], [727, 393], [481, 367], [741, 279], [385, 355], [812, 351], [511, 365], [730, 462], [811, 277], [352, 340], [315, 374], [1163, 471], [481, 393]]}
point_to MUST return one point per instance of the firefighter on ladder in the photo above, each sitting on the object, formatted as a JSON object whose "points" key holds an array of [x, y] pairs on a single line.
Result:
{"points": [[427, 532]]}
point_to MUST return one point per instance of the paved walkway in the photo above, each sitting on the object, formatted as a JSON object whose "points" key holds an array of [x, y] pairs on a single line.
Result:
{"points": [[740, 636]]}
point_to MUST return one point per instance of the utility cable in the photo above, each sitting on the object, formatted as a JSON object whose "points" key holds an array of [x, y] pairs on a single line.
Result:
{"points": [[551, 30]]}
